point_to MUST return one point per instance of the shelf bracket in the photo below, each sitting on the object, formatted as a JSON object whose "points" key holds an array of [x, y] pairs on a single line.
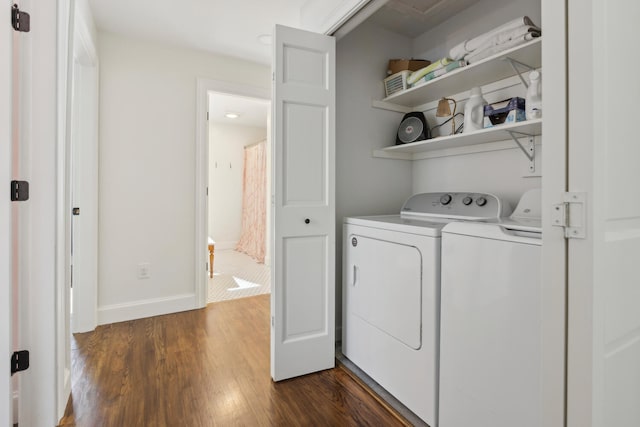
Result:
{"points": [[529, 151], [513, 64]]}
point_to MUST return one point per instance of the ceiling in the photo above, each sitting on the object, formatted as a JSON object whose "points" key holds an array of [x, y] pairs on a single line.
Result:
{"points": [[414, 17], [251, 111], [233, 28], [219, 26]]}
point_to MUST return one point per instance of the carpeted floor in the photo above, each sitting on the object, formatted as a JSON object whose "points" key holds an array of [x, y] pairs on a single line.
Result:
{"points": [[236, 275]]}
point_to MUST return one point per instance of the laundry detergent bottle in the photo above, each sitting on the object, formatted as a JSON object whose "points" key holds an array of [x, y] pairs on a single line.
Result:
{"points": [[474, 111], [533, 100]]}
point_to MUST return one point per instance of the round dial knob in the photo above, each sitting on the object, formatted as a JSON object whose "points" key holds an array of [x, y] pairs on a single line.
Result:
{"points": [[467, 201], [481, 201], [445, 199]]}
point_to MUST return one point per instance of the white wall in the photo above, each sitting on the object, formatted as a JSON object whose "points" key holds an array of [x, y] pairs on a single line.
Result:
{"points": [[473, 21], [505, 172], [147, 171], [226, 158], [365, 185]]}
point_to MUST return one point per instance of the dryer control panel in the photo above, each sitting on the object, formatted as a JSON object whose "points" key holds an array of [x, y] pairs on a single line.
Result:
{"points": [[469, 206]]}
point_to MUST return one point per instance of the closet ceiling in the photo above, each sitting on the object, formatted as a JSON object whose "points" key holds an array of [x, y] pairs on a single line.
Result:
{"points": [[218, 26], [414, 17]]}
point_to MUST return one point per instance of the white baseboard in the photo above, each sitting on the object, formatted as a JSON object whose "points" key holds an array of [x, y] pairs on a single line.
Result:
{"points": [[223, 246], [145, 308], [15, 406]]}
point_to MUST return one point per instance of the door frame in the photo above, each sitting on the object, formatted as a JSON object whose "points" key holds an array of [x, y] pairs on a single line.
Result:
{"points": [[6, 298], [61, 334], [203, 87], [554, 183]]}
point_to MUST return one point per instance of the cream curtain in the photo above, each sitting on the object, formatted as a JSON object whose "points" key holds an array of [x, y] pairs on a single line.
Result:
{"points": [[254, 214]]}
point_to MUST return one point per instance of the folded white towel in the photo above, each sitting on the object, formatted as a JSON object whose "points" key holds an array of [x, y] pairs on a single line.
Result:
{"points": [[469, 46], [492, 50], [458, 51], [506, 36]]}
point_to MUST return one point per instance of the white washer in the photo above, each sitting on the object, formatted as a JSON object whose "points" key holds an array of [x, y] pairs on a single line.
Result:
{"points": [[490, 321], [391, 292]]}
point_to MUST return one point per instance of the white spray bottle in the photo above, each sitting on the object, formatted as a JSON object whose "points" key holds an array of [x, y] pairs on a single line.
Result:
{"points": [[474, 111], [533, 100]]}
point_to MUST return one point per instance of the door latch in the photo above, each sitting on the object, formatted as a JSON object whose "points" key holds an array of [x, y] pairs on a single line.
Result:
{"points": [[571, 214]]}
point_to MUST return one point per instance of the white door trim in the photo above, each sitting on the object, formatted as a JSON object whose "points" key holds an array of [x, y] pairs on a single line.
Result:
{"points": [[203, 86], [62, 371], [554, 183], [6, 299]]}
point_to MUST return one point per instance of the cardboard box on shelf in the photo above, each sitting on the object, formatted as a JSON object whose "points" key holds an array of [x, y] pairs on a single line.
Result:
{"points": [[397, 65]]}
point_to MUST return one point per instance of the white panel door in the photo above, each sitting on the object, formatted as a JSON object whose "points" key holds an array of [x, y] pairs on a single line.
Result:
{"points": [[6, 301], [303, 292], [84, 190], [604, 284]]}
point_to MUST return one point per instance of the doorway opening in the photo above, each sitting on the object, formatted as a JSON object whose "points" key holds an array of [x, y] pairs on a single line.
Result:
{"points": [[239, 192]]}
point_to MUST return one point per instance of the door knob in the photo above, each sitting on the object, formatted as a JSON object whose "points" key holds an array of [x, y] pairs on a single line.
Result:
{"points": [[75, 211], [307, 221]]}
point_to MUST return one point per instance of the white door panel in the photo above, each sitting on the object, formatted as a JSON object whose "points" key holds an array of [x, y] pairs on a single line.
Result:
{"points": [[304, 160], [604, 320], [6, 300], [84, 187], [303, 292], [304, 287]]}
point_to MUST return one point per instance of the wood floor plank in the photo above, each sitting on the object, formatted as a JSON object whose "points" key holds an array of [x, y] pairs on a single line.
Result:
{"points": [[206, 367]]}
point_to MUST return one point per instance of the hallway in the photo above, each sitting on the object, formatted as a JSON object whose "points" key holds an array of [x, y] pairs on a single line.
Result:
{"points": [[207, 367]]}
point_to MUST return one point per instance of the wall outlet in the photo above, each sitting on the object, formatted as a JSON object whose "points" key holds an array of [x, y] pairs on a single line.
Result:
{"points": [[144, 270]]}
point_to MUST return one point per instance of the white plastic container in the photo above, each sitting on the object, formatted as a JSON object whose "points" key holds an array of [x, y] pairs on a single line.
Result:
{"points": [[533, 100], [474, 111]]}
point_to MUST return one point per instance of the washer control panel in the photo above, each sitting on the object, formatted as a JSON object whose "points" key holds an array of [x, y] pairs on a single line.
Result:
{"points": [[455, 205]]}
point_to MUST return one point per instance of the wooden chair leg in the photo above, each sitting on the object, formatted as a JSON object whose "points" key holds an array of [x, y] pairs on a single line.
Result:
{"points": [[211, 247]]}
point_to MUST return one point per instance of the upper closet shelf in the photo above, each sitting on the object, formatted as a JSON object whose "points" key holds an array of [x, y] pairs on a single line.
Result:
{"points": [[511, 131], [488, 70]]}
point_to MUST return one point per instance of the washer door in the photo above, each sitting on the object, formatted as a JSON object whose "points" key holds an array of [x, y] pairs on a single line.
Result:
{"points": [[386, 285]]}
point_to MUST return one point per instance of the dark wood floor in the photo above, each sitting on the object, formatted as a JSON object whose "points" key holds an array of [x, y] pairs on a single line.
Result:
{"points": [[206, 367]]}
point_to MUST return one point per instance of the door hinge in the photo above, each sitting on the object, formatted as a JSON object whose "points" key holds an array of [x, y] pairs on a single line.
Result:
{"points": [[571, 215], [19, 191], [19, 361], [20, 21]]}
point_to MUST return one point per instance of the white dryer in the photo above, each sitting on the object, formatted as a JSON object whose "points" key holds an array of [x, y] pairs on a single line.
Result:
{"points": [[391, 293], [490, 332]]}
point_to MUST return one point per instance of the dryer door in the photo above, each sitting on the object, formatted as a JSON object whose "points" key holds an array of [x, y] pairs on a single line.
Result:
{"points": [[386, 284]]}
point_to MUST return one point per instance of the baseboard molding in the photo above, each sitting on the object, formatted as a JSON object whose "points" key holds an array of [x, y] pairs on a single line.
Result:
{"points": [[145, 308], [15, 407], [223, 246]]}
